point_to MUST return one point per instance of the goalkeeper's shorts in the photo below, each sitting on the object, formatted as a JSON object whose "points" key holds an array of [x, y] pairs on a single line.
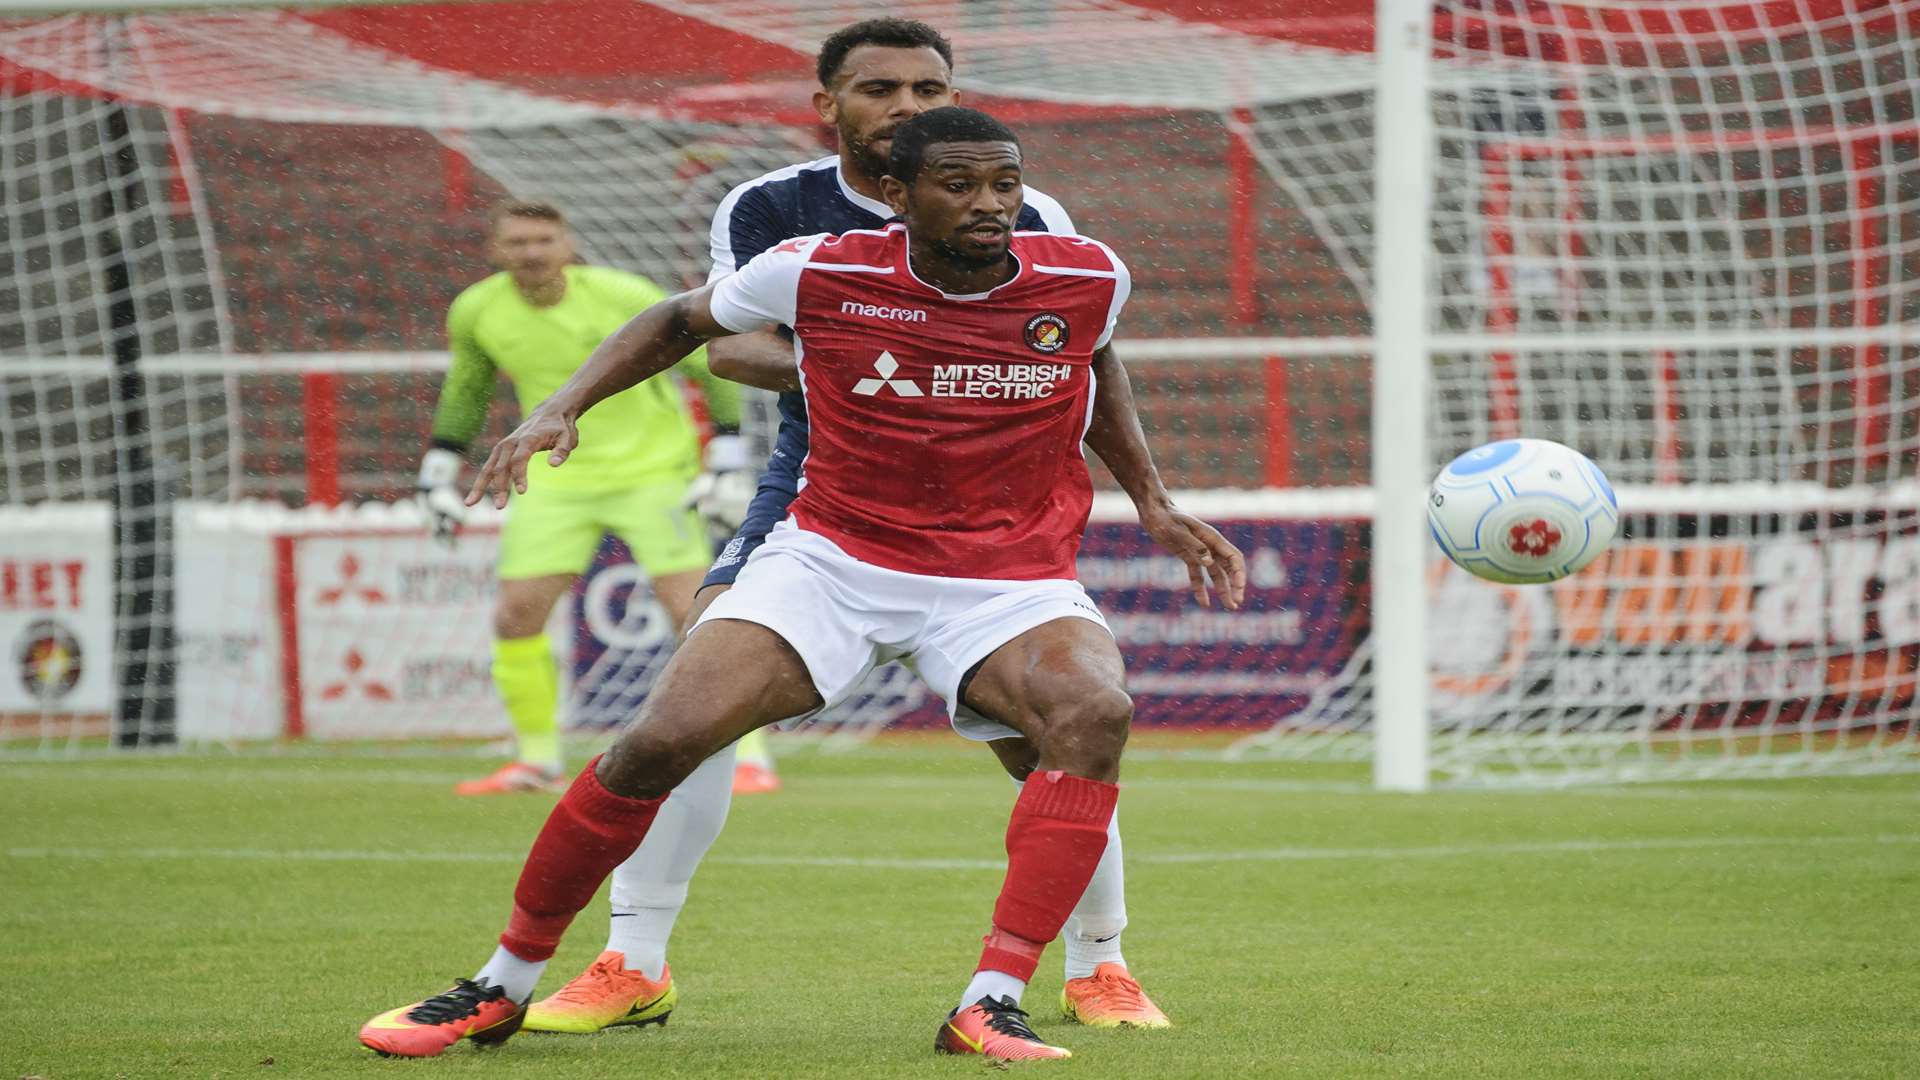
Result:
{"points": [[556, 531]]}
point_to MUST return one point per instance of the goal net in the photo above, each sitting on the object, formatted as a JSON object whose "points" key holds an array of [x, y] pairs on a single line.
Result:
{"points": [[227, 236], [1678, 236]]}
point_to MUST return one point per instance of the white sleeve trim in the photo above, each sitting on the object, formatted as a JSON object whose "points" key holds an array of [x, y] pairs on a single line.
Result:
{"points": [[1122, 288], [764, 292], [720, 237]]}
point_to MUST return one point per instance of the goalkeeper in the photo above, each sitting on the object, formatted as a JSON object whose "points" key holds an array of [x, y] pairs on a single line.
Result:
{"points": [[536, 321]]}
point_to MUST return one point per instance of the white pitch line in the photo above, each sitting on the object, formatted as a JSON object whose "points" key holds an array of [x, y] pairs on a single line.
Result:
{"points": [[985, 773], [234, 771], [855, 862]]}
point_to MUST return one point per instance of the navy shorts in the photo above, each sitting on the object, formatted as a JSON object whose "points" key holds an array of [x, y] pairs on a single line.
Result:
{"points": [[778, 488]]}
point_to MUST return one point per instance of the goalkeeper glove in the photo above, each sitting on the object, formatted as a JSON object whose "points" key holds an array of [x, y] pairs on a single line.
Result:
{"points": [[722, 493], [437, 496]]}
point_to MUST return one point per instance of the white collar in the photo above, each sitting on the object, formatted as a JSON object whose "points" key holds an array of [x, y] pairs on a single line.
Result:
{"points": [[871, 206]]}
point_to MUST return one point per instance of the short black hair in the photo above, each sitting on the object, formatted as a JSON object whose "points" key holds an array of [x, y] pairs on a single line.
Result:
{"points": [[892, 33], [946, 124]]}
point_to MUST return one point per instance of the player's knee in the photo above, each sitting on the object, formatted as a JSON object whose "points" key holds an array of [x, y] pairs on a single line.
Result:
{"points": [[513, 618], [1088, 732]]}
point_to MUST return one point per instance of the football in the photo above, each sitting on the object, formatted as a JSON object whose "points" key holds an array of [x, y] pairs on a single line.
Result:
{"points": [[1522, 511]]}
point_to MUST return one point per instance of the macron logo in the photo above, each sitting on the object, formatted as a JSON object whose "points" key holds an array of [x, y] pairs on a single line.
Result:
{"points": [[874, 311], [886, 365]]}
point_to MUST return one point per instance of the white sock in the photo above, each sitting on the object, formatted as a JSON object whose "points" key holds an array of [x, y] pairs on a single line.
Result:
{"points": [[1092, 934], [996, 984], [516, 976], [650, 888]]}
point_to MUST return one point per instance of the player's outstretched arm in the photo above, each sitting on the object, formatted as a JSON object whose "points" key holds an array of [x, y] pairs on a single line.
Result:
{"points": [[650, 343], [1117, 437], [763, 359]]}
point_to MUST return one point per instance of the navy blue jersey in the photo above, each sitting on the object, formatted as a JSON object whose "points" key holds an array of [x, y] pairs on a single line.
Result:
{"points": [[802, 200]]}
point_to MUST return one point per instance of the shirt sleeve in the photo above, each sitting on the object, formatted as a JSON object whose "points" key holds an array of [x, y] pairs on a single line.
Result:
{"points": [[765, 291], [1052, 214], [467, 391], [745, 225], [1122, 288]]}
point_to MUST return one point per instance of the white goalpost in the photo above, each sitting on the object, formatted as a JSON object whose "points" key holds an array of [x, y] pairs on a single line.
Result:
{"points": [[1681, 237], [1403, 192]]}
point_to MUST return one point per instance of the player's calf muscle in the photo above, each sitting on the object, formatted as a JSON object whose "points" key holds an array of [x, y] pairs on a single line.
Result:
{"points": [[646, 763]]}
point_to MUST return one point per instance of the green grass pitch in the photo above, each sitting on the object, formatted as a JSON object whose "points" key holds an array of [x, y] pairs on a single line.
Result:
{"points": [[208, 915]]}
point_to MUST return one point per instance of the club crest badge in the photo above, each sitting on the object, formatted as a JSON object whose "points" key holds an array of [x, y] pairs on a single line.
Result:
{"points": [[1046, 333], [49, 660]]}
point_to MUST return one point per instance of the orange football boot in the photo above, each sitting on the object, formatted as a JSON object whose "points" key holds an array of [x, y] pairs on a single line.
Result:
{"points": [[513, 776], [478, 1011], [1110, 998], [994, 1028], [603, 996], [750, 778]]}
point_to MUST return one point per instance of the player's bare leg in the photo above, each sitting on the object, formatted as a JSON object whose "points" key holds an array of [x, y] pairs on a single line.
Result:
{"points": [[1099, 990], [676, 593], [707, 698], [753, 772], [529, 685], [1061, 685], [702, 600]]}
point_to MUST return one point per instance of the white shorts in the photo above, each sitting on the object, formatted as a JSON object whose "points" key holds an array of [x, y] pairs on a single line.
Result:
{"points": [[846, 617]]}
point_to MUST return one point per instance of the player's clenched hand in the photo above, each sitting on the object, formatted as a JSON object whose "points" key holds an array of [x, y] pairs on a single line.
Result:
{"points": [[1210, 558], [506, 467]]}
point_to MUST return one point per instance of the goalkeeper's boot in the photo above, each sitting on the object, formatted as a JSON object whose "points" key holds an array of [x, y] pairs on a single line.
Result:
{"points": [[753, 778], [513, 776], [471, 1010], [1110, 998], [603, 996], [994, 1028]]}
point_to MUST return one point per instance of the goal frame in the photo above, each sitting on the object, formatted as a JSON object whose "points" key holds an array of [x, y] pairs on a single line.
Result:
{"points": [[1403, 181]]}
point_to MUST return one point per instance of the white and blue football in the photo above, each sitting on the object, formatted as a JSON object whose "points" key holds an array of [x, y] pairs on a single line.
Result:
{"points": [[1522, 511]]}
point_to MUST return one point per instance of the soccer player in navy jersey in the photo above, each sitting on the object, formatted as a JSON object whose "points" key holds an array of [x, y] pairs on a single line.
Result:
{"points": [[874, 76], [950, 365]]}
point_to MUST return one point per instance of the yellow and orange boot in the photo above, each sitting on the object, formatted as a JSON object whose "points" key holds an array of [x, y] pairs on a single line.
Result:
{"points": [[478, 1011], [603, 996], [514, 776], [994, 1028], [1110, 998]]}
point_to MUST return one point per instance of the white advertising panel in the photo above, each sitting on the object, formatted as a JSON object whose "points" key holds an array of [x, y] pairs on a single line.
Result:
{"points": [[56, 610]]}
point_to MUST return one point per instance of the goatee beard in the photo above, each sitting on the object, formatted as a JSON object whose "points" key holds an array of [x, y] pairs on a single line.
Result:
{"points": [[870, 161]]}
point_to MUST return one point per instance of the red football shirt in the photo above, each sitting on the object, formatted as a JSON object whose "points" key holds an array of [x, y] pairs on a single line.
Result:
{"points": [[945, 429]]}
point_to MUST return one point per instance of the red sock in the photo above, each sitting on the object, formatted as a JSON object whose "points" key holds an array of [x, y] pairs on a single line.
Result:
{"points": [[1054, 841], [590, 832]]}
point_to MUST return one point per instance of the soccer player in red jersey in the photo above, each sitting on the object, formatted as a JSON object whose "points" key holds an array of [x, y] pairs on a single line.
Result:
{"points": [[948, 364]]}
